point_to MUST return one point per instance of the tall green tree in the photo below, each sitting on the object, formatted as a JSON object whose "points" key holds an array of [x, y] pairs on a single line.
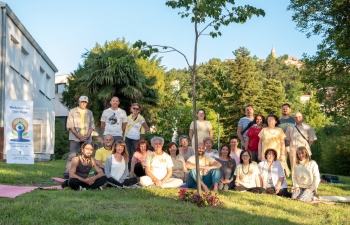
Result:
{"points": [[110, 70], [330, 66], [207, 18]]}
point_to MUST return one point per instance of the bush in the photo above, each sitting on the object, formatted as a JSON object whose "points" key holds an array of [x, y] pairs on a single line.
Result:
{"points": [[61, 139], [331, 151]]}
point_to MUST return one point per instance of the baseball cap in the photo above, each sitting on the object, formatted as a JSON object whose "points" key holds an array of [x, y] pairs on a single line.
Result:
{"points": [[84, 99]]}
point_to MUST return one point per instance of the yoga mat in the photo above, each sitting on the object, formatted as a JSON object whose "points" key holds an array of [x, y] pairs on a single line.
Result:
{"points": [[8, 191], [336, 198], [58, 179], [51, 187]]}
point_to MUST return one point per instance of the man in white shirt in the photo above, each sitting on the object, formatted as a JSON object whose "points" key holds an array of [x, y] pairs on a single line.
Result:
{"points": [[113, 120]]}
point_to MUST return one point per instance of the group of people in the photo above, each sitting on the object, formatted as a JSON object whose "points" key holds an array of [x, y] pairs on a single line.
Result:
{"points": [[259, 166]]}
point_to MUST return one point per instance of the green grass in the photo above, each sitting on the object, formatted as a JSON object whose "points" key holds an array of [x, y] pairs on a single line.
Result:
{"points": [[153, 206]]}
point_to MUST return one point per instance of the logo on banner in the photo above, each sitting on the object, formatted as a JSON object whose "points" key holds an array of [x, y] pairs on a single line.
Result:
{"points": [[19, 130]]}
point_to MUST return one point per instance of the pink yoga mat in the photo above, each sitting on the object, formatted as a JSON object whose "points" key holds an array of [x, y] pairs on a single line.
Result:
{"points": [[8, 191], [58, 179]]}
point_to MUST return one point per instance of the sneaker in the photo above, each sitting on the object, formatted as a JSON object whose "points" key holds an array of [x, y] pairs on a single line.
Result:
{"points": [[101, 188], [113, 185], [66, 176], [81, 188], [135, 186]]}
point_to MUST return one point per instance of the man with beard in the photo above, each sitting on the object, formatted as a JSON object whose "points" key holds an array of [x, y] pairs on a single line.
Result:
{"points": [[80, 123], [102, 153], [80, 168], [113, 120], [209, 171], [286, 121]]}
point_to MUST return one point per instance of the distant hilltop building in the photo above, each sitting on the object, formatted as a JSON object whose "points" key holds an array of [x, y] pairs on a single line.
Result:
{"points": [[292, 60]]}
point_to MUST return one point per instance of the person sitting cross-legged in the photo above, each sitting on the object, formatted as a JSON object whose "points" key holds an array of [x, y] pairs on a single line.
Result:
{"points": [[80, 168], [247, 174], [209, 171], [158, 168], [116, 166]]}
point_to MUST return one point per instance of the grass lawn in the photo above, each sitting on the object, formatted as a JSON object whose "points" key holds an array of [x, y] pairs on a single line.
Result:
{"points": [[153, 206]]}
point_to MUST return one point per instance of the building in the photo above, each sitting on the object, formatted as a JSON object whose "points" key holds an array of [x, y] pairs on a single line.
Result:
{"points": [[61, 112], [26, 73]]}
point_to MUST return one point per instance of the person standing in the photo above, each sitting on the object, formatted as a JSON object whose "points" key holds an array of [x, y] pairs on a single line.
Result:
{"points": [[286, 121], [244, 124], [136, 125], [113, 120], [204, 127], [80, 123], [252, 141], [299, 134]]}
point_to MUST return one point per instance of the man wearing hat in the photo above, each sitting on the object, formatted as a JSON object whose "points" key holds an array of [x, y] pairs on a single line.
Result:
{"points": [[80, 124]]}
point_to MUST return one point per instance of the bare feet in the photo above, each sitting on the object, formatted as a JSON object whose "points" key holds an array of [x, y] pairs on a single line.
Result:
{"points": [[216, 187]]}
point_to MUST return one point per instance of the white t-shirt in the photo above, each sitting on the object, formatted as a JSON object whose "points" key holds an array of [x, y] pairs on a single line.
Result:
{"points": [[134, 132], [114, 120], [159, 164], [117, 169]]}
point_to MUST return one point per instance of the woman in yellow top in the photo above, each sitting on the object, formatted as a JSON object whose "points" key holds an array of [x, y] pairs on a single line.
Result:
{"points": [[273, 137], [136, 125], [204, 128]]}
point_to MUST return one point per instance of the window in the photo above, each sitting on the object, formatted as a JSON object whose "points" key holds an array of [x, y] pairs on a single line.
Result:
{"points": [[15, 54], [59, 88]]}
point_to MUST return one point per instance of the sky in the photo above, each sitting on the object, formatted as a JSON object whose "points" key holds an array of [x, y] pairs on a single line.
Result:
{"points": [[66, 29]]}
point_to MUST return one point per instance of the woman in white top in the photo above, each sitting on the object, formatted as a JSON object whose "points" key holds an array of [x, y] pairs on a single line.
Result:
{"points": [[272, 177], [136, 125], [159, 167], [204, 127], [208, 143], [116, 166], [247, 174], [306, 176]]}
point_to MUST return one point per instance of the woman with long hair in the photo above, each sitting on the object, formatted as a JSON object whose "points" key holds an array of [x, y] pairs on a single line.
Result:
{"points": [[138, 159], [116, 166], [136, 125], [272, 176], [204, 127], [227, 169], [306, 176], [179, 169], [252, 141], [247, 174]]}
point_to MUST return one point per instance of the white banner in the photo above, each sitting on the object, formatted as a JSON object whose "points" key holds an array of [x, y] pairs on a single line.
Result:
{"points": [[19, 131]]}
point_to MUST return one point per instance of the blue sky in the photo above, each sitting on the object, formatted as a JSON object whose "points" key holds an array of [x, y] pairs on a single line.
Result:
{"points": [[65, 29]]}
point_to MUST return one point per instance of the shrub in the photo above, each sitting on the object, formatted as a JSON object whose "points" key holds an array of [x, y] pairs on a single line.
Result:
{"points": [[331, 151], [61, 139]]}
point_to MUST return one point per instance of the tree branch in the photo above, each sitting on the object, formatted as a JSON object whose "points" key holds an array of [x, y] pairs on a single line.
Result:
{"points": [[174, 49]]}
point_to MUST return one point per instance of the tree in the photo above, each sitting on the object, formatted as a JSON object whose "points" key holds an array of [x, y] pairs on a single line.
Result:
{"points": [[218, 13], [330, 66], [114, 69]]}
